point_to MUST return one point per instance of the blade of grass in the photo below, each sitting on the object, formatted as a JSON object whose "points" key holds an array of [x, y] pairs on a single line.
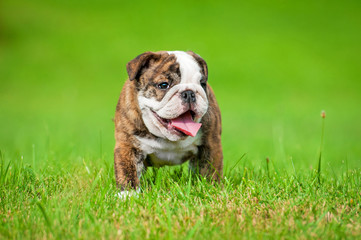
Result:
{"points": [[323, 115], [238, 161], [46, 218]]}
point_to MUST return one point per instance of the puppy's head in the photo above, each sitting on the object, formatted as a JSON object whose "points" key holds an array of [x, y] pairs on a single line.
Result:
{"points": [[172, 92]]}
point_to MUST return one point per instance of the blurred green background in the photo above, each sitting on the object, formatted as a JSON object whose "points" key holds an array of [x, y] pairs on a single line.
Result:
{"points": [[274, 65]]}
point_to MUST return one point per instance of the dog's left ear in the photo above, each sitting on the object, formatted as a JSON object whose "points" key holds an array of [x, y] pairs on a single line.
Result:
{"points": [[201, 63], [136, 66]]}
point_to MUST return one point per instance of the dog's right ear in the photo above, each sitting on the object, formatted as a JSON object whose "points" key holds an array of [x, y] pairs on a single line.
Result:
{"points": [[135, 67]]}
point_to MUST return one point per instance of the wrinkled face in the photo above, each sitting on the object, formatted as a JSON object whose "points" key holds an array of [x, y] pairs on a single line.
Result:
{"points": [[172, 88]]}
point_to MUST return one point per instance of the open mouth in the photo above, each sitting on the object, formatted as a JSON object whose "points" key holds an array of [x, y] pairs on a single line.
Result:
{"points": [[183, 124]]}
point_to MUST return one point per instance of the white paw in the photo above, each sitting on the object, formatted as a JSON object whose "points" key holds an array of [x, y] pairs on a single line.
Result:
{"points": [[128, 194]]}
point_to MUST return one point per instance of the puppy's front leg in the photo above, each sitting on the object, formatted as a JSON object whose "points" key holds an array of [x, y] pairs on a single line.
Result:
{"points": [[128, 166]]}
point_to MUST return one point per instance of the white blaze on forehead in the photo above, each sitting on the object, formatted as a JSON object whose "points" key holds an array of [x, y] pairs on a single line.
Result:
{"points": [[189, 68]]}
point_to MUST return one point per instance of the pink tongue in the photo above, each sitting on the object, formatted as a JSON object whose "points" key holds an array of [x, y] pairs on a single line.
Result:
{"points": [[185, 124]]}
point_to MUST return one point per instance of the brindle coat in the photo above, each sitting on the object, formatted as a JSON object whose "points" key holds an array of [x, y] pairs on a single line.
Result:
{"points": [[146, 71]]}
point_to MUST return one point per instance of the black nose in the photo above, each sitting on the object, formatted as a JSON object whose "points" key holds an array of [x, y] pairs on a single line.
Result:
{"points": [[188, 96]]}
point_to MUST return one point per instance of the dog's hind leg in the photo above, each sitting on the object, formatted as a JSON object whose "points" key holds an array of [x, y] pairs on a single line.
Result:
{"points": [[209, 162]]}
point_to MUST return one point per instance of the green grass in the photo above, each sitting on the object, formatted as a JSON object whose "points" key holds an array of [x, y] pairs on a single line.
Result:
{"points": [[274, 65], [81, 203]]}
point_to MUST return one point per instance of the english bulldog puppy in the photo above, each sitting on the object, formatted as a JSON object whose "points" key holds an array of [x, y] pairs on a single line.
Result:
{"points": [[167, 114]]}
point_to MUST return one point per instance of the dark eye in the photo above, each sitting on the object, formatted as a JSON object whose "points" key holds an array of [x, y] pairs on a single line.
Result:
{"points": [[163, 85], [204, 85]]}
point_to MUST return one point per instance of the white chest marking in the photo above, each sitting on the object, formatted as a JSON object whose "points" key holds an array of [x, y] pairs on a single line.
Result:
{"points": [[163, 152]]}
